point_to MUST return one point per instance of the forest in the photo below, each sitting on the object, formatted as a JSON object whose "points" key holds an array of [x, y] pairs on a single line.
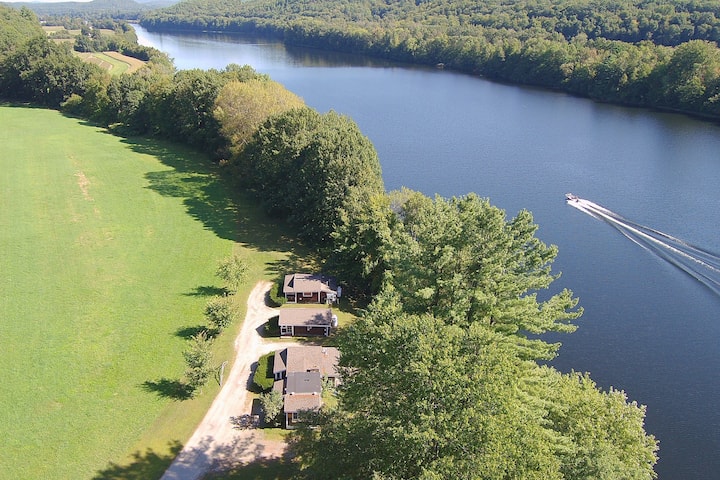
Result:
{"points": [[658, 54], [444, 372]]}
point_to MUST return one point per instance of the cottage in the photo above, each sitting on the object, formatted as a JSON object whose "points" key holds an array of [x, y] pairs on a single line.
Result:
{"points": [[306, 321], [299, 373], [307, 359], [303, 394], [310, 288]]}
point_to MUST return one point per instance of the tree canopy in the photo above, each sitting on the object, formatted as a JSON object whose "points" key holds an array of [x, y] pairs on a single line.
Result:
{"points": [[241, 107], [459, 259], [304, 166], [16, 27], [422, 398]]}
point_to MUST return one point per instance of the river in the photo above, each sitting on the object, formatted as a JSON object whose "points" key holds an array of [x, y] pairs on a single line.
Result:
{"points": [[649, 327]]}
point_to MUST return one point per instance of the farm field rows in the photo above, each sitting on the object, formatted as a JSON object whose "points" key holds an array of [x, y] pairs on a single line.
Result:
{"points": [[115, 63], [109, 252]]}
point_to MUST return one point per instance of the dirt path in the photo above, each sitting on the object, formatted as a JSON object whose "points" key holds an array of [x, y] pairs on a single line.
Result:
{"points": [[216, 443]]}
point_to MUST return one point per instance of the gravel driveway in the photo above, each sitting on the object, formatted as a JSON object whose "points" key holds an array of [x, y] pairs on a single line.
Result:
{"points": [[216, 443]]}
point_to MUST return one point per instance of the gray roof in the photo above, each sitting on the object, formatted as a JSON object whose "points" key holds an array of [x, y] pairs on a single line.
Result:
{"points": [[305, 317], [308, 282], [303, 383]]}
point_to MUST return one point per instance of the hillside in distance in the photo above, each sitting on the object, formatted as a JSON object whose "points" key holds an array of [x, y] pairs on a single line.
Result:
{"points": [[661, 54], [111, 8], [663, 22]]}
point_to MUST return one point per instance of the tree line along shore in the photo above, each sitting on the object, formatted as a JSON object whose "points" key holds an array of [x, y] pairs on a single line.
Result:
{"points": [[658, 54]]}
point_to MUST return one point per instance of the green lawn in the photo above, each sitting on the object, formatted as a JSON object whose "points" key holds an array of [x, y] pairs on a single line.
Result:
{"points": [[109, 248]]}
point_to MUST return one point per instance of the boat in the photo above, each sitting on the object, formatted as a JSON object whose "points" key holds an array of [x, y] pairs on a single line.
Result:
{"points": [[571, 198]]}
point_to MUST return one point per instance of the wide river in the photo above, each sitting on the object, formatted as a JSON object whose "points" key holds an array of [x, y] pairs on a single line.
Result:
{"points": [[650, 328]]}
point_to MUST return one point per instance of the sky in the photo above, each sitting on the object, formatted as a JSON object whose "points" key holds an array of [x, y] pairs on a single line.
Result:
{"points": [[41, 1]]}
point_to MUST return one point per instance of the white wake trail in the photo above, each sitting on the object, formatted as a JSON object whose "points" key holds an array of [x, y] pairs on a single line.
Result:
{"points": [[699, 263]]}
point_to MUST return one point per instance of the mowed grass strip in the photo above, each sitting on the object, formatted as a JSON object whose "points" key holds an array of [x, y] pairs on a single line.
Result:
{"points": [[113, 62], [133, 64], [109, 248]]}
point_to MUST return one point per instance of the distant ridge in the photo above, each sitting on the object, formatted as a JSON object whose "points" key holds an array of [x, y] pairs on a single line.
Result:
{"points": [[124, 8]]}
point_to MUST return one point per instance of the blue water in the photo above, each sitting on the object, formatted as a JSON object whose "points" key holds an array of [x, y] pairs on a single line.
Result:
{"points": [[649, 328]]}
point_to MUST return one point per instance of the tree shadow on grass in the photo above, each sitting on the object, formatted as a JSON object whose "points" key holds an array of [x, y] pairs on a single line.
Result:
{"points": [[189, 332], [208, 291], [168, 388], [210, 198], [276, 469], [219, 462], [143, 466]]}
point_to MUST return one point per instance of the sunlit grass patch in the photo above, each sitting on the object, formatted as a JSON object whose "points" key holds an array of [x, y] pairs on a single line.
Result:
{"points": [[103, 268]]}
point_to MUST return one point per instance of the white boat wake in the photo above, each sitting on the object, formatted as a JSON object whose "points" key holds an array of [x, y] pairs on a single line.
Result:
{"points": [[701, 264]]}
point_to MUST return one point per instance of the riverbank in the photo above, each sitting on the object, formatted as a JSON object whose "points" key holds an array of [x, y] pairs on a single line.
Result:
{"points": [[656, 70]]}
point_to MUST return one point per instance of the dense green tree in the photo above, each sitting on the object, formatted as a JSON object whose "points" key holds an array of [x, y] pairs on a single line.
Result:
{"points": [[126, 97], [461, 260], [241, 107], [16, 28], [363, 227], [304, 166], [693, 76], [219, 312], [272, 406], [605, 433], [191, 107], [44, 72], [422, 398]]}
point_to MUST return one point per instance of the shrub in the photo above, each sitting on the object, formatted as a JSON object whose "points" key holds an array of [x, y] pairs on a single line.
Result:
{"points": [[276, 293], [272, 329], [264, 378]]}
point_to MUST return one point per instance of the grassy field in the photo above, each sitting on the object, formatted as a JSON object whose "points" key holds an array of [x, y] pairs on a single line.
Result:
{"points": [[109, 251], [113, 62]]}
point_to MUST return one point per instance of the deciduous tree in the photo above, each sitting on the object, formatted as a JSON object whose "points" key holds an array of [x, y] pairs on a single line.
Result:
{"points": [[422, 398], [219, 312], [304, 166], [232, 270], [272, 406], [197, 359], [241, 107]]}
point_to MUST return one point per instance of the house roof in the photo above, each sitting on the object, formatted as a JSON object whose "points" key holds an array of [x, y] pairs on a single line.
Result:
{"points": [[303, 383], [308, 282], [302, 391], [301, 317], [296, 403], [307, 359]]}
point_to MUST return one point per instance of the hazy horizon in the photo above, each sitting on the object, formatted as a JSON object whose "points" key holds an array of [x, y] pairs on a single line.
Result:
{"points": [[46, 1]]}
